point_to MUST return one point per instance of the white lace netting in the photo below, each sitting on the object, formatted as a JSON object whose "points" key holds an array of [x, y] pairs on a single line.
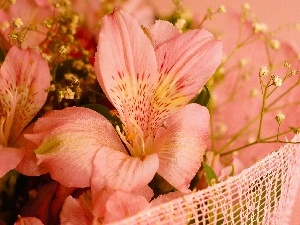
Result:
{"points": [[262, 194]]}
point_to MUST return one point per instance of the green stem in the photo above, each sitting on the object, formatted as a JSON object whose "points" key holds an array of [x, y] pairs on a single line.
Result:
{"points": [[262, 141], [262, 113], [237, 134]]}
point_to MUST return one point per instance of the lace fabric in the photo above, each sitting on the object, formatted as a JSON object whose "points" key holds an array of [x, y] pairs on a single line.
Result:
{"points": [[264, 193]]}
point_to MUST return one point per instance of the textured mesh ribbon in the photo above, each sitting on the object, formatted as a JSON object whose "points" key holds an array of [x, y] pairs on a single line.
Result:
{"points": [[261, 194]]}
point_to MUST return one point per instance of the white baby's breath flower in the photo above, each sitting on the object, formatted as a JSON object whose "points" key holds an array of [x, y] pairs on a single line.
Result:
{"points": [[251, 139], [259, 27], [294, 72], [60, 95], [63, 50], [70, 76], [287, 65], [222, 9], [277, 81], [263, 71], [52, 87], [47, 57], [243, 62], [180, 23], [246, 7], [280, 118], [69, 94], [275, 44], [18, 22]]}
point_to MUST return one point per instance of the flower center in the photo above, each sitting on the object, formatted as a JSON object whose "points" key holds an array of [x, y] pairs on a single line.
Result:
{"points": [[133, 138], [7, 111]]}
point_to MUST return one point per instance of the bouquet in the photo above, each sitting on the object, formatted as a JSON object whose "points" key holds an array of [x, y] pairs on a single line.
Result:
{"points": [[124, 112]]}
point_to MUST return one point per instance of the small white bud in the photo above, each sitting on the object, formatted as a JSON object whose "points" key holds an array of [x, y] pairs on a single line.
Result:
{"points": [[243, 62], [275, 44], [222, 9], [280, 118], [251, 139], [52, 87], [287, 65], [259, 27], [180, 23], [294, 72], [263, 71], [246, 7], [69, 94], [18, 22], [63, 50], [47, 57], [277, 81]]}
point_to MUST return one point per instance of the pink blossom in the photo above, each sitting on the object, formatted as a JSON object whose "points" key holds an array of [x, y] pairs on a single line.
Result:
{"points": [[77, 211], [28, 221], [126, 204], [24, 79], [117, 205], [150, 89], [110, 207]]}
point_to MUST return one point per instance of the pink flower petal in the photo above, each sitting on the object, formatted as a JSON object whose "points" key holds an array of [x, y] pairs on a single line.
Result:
{"points": [[43, 3], [77, 211], [115, 170], [185, 63], [166, 198], [122, 205], [28, 165], [140, 9], [28, 221], [69, 140], [9, 159], [126, 67], [24, 79], [58, 200], [161, 32], [145, 191], [101, 195], [181, 144], [99, 199]]}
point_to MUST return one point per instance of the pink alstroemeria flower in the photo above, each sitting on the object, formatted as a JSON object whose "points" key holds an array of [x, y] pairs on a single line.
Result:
{"points": [[119, 205], [149, 85], [28, 221], [24, 79]]}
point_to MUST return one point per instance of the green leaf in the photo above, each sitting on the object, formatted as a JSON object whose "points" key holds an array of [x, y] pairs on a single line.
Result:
{"points": [[210, 175], [115, 120], [203, 97]]}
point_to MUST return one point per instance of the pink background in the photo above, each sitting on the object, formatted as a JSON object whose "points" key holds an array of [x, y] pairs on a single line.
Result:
{"points": [[272, 12]]}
